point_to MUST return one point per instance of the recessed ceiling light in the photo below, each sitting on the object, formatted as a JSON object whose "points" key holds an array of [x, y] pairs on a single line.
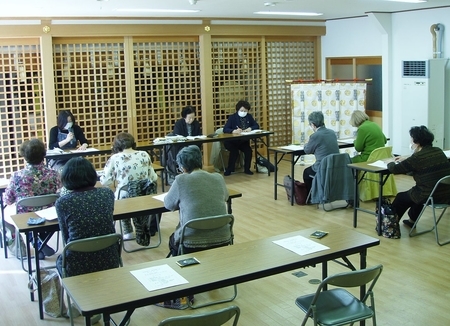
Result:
{"points": [[287, 13], [157, 10]]}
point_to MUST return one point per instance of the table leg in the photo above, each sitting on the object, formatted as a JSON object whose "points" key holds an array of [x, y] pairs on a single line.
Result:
{"points": [[229, 206], [355, 200], [293, 179], [268, 153], [87, 320], [30, 270], [5, 243], [380, 198], [362, 289], [325, 273], [255, 144], [38, 273], [275, 178]]}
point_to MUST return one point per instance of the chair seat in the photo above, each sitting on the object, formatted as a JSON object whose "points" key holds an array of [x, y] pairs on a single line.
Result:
{"points": [[336, 307]]}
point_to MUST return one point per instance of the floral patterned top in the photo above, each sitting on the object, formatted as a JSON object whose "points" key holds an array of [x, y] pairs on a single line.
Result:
{"points": [[126, 166], [33, 180], [84, 214]]}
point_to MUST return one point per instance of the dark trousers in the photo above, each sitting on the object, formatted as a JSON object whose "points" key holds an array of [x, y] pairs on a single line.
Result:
{"points": [[234, 147], [401, 204], [308, 176]]}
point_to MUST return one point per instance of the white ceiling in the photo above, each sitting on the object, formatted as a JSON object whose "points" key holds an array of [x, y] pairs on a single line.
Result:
{"points": [[228, 9]]}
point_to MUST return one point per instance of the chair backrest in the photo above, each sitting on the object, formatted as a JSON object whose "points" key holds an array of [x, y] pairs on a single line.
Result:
{"points": [[442, 182], [380, 153], [212, 318], [37, 201], [91, 245], [354, 279], [208, 223], [137, 188]]}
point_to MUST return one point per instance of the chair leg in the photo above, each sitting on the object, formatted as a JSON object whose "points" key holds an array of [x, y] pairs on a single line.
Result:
{"points": [[215, 302], [436, 222], [413, 232]]}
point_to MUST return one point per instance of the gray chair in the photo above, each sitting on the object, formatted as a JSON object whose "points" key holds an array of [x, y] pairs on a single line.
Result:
{"points": [[212, 318], [35, 202], [208, 224], [88, 245], [338, 306], [434, 205]]}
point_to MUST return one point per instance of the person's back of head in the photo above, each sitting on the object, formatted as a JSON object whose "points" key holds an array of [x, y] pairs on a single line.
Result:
{"points": [[316, 118], [422, 136], [78, 173], [357, 118], [123, 141], [189, 158], [33, 151]]}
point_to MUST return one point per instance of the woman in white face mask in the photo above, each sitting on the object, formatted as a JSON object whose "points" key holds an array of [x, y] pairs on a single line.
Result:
{"points": [[427, 164], [238, 122], [66, 135]]}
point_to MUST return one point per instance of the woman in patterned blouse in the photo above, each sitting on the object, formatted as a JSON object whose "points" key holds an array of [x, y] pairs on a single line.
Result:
{"points": [[85, 212], [124, 166], [34, 180]]}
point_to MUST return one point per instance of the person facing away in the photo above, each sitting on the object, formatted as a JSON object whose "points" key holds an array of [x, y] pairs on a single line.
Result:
{"points": [[322, 142], [85, 212], [427, 164], [34, 180], [124, 166], [196, 193], [187, 125], [66, 135], [238, 122], [369, 136]]}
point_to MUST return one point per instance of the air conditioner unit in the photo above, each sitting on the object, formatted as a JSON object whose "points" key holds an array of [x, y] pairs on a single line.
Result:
{"points": [[423, 98]]}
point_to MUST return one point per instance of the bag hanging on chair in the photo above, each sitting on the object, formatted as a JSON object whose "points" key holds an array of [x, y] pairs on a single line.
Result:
{"points": [[390, 227]]}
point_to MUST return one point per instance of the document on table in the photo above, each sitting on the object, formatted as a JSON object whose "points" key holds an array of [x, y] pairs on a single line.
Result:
{"points": [[195, 137], [54, 151], [379, 164], [293, 147], [89, 149], [255, 131], [48, 213], [300, 245], [346, 140], [158, 277], [160, 196]]}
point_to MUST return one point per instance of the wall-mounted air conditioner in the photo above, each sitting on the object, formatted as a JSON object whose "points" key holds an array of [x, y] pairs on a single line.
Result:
{"points": [[423, 98]]}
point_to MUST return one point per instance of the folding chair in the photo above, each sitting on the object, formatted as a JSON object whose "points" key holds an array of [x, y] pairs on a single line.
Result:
{"points": [[207, 224], [125, 189], [36, 203], [88, 245], [212, 318], [333, 181], [338, 306], [434, 204]]}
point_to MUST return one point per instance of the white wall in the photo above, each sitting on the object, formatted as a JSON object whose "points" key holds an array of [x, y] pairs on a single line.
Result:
{"points": [[395, 37]]}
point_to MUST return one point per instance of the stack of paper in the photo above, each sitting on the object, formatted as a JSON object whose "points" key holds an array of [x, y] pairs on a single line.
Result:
{"points": [[48, 213]]}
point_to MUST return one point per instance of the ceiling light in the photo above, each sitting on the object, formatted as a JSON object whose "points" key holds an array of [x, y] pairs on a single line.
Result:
{"points": [[287, 13], [157, 10]]}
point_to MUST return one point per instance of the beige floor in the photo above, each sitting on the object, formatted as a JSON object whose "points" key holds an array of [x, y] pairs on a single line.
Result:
{"points": [[414, 288]]}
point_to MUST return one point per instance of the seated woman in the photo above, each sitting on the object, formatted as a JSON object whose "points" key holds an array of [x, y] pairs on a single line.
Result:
{"points": [[66, 135], [124, 166], [427, 164], [34, 180], [369, 136], [238, 122], [85, 212], [188, 125], [196, 193]]}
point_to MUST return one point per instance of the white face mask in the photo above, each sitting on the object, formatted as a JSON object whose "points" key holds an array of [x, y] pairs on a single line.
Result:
{"points": [[68, 125], [412, 148], [242, 114]]}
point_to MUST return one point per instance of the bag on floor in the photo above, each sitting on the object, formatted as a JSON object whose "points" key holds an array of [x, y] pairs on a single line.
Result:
{"points": [[178, 303], [300, 191], [51, 293], [265, 162], [390, 227]]}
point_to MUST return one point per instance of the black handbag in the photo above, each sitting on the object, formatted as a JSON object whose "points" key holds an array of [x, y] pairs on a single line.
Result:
{"points": [[390, 227], [265, 162]]}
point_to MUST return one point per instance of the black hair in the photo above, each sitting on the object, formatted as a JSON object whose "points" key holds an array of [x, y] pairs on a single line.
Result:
{"points": [[78, 173], [244, 104], [190, 158], [62, 118], [123, 141], [422, 136], [33, 151], [187, 110]]}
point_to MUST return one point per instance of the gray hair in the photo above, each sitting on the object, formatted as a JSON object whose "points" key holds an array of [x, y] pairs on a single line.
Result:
{"points": [[357, 118], [316, 118], [190, 158]]}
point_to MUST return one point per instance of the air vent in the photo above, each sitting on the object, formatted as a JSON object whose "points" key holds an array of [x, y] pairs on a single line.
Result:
{"points": [[415, 69]]}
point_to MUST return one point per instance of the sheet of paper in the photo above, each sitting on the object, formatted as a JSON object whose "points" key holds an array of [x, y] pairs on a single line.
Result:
{"points": [[160, 196], [293, 147], [379, 164], [55, 151], [447, 153], [195, 137], [48, 213], [89, 149], [255, 131], [300, 245], [346, 140], [158, 277]]}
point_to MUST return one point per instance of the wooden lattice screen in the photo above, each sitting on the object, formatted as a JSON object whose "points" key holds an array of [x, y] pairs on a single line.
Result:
{"points": [[22, 115]]}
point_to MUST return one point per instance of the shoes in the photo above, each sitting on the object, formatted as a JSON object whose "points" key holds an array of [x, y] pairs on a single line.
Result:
{"points": [[350, 203], [248, 172], [41, 255], [47, 250], [227, 173], [408, 223], [128, 236]]}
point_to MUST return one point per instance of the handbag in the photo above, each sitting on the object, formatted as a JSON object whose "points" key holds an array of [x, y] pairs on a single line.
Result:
{"points": [[390, 227], [300, 190], [265, 162]]}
